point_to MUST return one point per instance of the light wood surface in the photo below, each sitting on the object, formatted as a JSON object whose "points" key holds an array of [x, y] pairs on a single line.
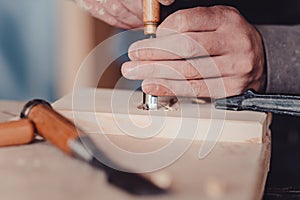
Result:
{"points": [[232, 170], [115, 112]]}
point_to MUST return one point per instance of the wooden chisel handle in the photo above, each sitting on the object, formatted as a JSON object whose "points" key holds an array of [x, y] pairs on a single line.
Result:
{"points": [[151, 16], [50, 124], [63, 134], [16, 132]]}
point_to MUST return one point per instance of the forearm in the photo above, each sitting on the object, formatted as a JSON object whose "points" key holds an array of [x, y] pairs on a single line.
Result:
{"points": [[282, 49]]}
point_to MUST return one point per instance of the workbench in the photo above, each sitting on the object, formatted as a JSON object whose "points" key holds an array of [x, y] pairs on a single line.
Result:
{"points": [[232, 170]]}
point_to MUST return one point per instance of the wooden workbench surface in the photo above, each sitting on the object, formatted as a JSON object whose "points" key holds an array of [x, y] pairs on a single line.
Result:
{"points": [[232, 170]]}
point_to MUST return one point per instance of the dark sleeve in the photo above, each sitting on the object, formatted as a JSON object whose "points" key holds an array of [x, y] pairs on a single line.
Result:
{"points": [[282, 50]]}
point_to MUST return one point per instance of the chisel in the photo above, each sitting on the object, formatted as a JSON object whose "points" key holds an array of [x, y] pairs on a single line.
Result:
{"points": [[250, 100], [38, 116]]}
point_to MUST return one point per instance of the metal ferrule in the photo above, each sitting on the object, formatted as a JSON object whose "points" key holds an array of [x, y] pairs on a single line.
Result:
{"points": [[150, 28], [150, 102], [29, 105]]}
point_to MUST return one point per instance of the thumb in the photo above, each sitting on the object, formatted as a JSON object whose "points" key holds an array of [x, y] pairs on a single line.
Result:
{"points": [[166, 2]]}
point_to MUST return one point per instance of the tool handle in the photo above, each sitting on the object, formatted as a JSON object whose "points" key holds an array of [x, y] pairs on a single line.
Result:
{"points": [[53, 126], [63, 134], [16, 132], [278, 104], [250, 100], [151, 16]]}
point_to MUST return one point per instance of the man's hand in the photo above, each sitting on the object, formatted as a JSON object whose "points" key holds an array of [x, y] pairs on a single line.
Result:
{"points": [[207, 52], [119, 13]]}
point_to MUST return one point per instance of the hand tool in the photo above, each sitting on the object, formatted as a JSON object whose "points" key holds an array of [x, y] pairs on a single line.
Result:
{"points": [[63, 134], [16, 132], [250, 100], [151, 15]]}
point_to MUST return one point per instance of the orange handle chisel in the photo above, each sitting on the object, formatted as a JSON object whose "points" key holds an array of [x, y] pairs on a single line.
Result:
{"points": [[16, 132], [66, 136], [38, 115]]}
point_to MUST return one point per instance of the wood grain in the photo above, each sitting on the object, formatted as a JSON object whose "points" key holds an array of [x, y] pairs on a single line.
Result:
{"points": [[115, 112], [232, 170]]}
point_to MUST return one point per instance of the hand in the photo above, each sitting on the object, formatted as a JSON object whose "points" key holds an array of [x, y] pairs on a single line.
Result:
{"points": [[120, 13], [203, 52]]}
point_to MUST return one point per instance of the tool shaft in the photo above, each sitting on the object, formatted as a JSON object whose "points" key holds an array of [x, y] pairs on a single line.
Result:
{"points": [[151, 15], [16, 132]]}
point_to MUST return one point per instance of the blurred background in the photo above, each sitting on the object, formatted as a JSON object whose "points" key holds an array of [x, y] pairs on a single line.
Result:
{"points": [[28, 32], [42, 45]]}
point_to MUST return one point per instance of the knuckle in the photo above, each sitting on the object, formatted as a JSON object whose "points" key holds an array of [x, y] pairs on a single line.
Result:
{"points": [[190, 71], [225, 9], [112, 21], [228, 11], [188, 48], [234, 87], [243, 43], [233, 10], [246, 43], [227, 14], [116, 9], [244, 67], [181, 19]]}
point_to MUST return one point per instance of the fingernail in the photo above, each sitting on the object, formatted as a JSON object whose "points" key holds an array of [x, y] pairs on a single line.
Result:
{"points": [[127, 71], [133, 53]]}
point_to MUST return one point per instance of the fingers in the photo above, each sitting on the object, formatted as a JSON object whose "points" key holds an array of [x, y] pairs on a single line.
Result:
{"points": [[214, 88], [135, 7], [179, 46], [116, 9], [208, 67], [113, 12], [103, 15], [195, 19]]}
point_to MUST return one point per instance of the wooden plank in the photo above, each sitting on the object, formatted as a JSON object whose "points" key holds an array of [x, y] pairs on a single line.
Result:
{"points": [[240, 141], [115, 112], [231, 170]]}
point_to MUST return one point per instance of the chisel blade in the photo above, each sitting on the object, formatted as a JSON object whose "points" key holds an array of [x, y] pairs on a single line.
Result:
{"points": [[250, 100]]}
